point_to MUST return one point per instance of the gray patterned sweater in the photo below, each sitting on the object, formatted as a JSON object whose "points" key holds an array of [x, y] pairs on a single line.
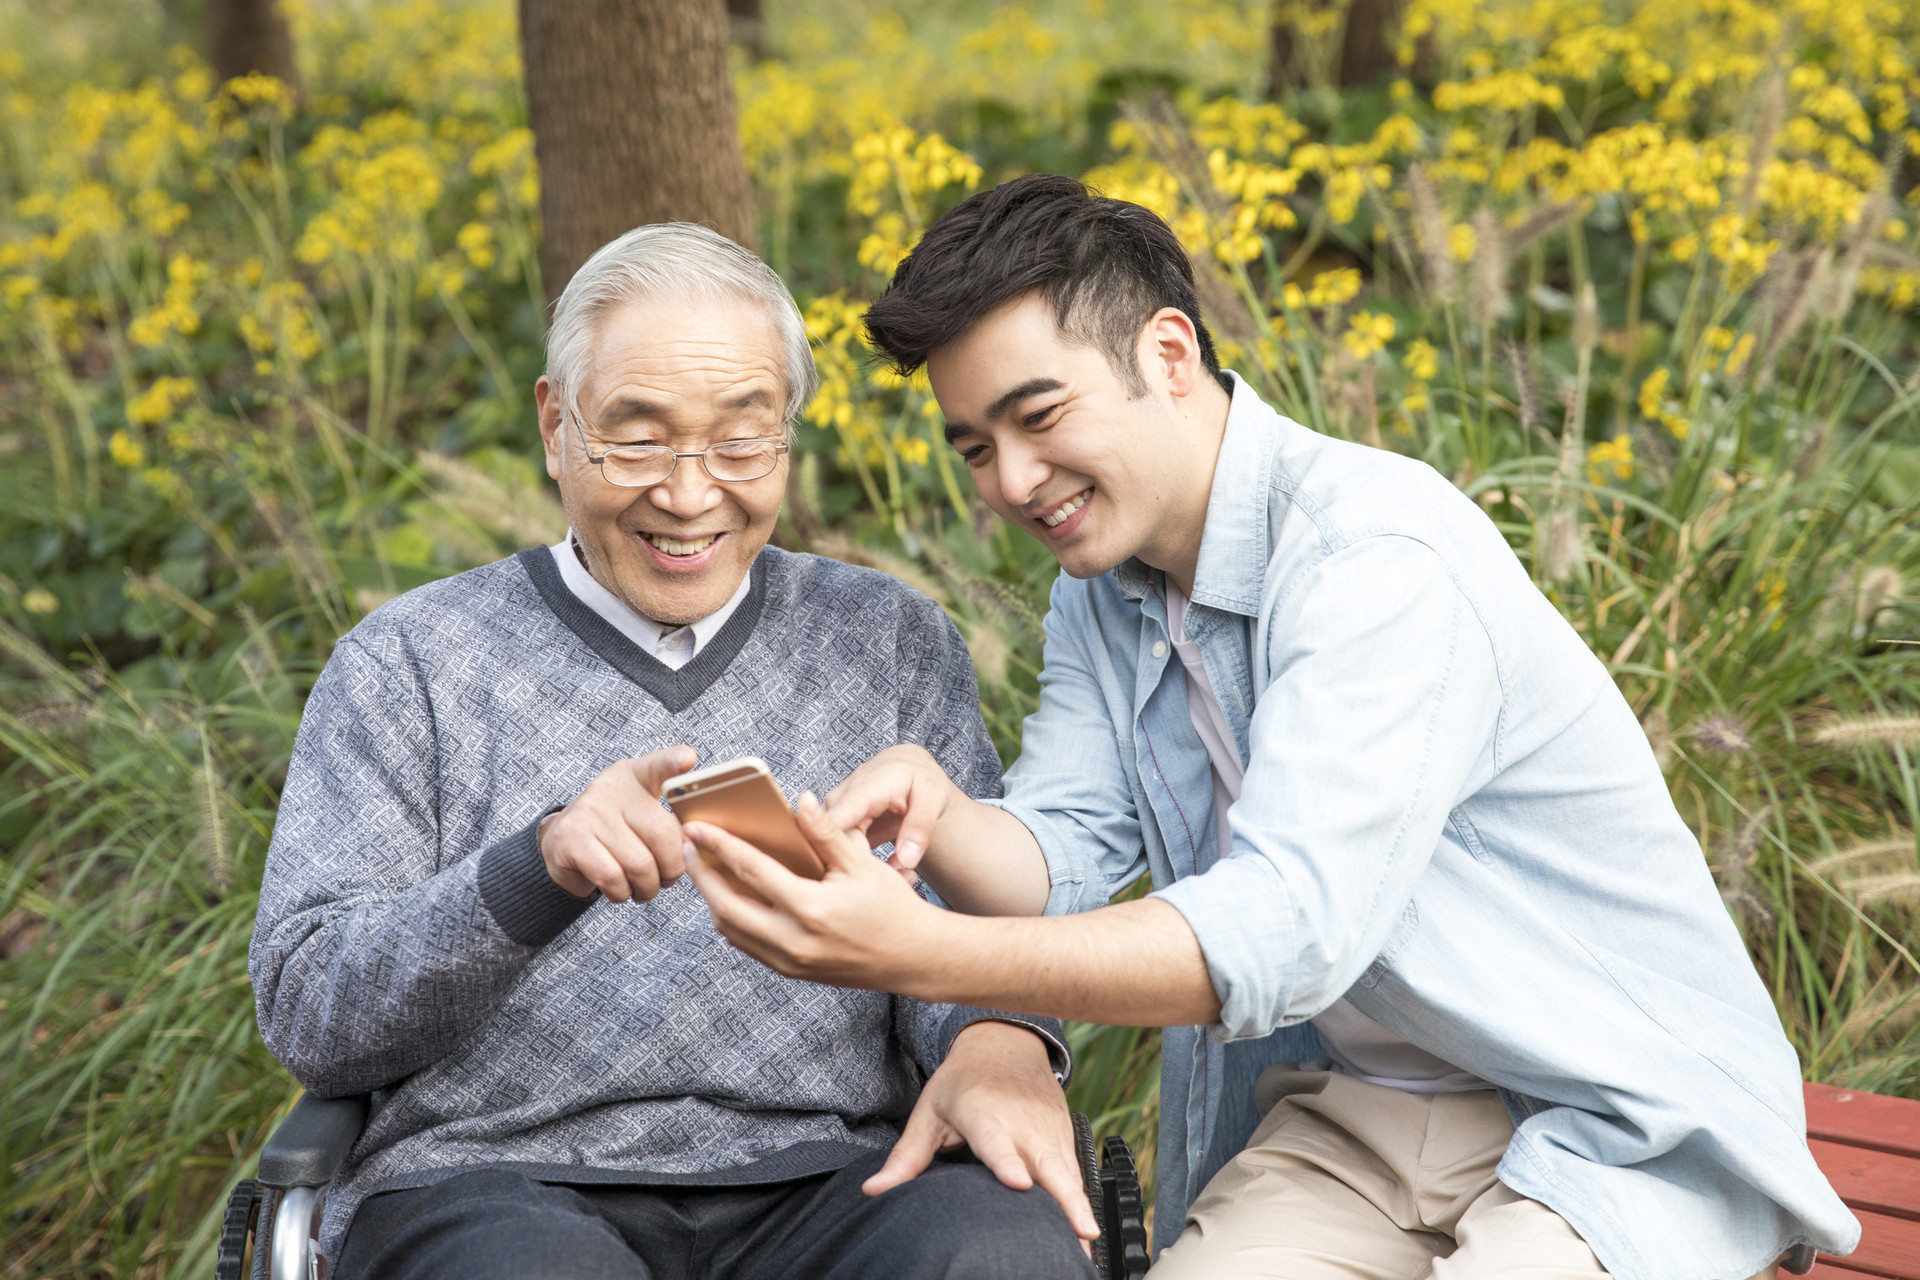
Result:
{"points": [[410, 942]]}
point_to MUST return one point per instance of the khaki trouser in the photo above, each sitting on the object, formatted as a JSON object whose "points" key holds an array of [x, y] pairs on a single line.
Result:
{"points": [[1345, 1180]]}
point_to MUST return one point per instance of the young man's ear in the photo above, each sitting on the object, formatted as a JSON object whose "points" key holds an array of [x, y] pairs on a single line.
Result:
{"points": [[1170, 353]]}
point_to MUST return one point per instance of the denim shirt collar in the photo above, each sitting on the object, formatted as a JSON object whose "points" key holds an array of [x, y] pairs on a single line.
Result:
{"points": [[1234, 546]]}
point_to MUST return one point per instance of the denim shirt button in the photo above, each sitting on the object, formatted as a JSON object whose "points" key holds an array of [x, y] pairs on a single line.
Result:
{"points": [[1159, 648]]}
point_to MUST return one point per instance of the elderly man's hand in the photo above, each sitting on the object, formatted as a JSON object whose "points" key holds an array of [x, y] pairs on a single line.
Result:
{"points": [[996, 1093], [616, 836]]}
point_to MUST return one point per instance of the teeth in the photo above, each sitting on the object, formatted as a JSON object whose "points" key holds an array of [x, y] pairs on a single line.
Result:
{"points": [[1065, 509], [675, 547]]}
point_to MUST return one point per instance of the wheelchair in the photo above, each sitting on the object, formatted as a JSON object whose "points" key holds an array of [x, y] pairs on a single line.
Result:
{"points": [[271, 1219]]}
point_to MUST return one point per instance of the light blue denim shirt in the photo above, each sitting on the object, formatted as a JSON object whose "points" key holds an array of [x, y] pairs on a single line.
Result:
{"points": [[1450, 816]]}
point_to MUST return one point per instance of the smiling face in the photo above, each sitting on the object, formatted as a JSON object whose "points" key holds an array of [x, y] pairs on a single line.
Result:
{"points": [[1057, 446], [686, 375]]}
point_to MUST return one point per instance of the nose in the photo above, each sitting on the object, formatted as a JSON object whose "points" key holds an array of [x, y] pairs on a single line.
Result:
{"points": [[1019, 469], [688, 492]]}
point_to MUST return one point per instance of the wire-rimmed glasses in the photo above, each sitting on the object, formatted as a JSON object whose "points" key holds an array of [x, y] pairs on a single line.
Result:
{"points": [[641, 466]]}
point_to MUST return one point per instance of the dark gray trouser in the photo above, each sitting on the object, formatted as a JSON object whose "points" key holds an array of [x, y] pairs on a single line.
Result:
{"points": [[954, 1222]]}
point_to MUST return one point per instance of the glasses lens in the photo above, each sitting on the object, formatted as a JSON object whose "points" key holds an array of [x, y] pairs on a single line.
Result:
{"points": [[637, 467], [742, 459]]}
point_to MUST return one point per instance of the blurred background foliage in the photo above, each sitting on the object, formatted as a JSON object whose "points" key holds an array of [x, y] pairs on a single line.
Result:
{"points": [[1640, 277]]}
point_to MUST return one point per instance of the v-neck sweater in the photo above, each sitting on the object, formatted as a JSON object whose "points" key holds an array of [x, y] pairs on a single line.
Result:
{"points": [[410, 942]]}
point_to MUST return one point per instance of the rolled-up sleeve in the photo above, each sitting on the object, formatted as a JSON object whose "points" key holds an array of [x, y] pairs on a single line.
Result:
{"points": [[1070, 784], [1382, 711]]}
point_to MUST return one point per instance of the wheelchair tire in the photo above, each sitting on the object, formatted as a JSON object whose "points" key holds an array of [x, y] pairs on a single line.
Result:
{"points": [[243, 1214], [263, 1234], [1090, 1182]]}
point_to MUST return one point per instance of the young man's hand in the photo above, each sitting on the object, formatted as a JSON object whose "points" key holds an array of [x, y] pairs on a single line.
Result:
{"points": [[996, 1093], [899, 795], [861, 925], [616, 836]]}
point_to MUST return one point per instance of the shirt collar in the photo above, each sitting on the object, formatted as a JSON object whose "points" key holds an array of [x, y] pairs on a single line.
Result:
{"points": [[636, 626], [1234, 543]]}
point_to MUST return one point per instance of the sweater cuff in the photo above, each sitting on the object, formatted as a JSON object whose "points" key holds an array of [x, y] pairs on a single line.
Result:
{"points": [[515, 887], [1051, 1033]]}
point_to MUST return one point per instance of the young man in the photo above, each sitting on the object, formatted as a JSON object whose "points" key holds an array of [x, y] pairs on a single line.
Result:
{"points": [[474, 906], [1448, 987]]}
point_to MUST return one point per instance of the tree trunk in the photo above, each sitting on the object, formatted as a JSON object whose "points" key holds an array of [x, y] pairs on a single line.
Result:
{"points": [[633, 122], [245, 36], [1366, 48]]}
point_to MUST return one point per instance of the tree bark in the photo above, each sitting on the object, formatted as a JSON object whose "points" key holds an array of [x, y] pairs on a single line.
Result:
{"points": [[633, 122], [245, 36], [1366, 47]]}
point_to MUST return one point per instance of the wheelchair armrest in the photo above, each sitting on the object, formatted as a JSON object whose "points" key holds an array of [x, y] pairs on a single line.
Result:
{"points": [[313, 1141]]}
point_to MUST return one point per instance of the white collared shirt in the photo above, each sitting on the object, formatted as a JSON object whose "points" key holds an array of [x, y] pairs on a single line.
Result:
{"points": [[675, 646]]}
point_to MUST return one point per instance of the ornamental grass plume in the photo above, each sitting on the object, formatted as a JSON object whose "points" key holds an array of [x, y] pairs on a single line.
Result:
{"points": [[1867, 857], [1733, 871], [1869, 731], [1430, 233], [1836, 298], [1722, 734], [1898, 889], [1487, 290], [1886, 1018], [1880, 588], [1768, 111]]}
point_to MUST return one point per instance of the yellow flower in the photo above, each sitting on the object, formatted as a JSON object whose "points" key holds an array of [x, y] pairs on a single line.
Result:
{"points": [[476, 241], [1367, 334], [157, 402], [125, 450], [1652, 389], [1616, 453], [1421, 360], [39, 600], [1462, 242], [1331, 288]]}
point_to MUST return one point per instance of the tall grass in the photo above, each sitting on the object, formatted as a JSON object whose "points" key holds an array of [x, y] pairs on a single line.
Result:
{"points": [[233, 418]]}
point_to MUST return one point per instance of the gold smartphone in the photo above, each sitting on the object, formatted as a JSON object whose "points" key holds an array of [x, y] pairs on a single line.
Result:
{"points": [[741, 798]]}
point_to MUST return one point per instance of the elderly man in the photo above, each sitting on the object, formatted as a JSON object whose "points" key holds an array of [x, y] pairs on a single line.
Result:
{"points": [[474, 905]]}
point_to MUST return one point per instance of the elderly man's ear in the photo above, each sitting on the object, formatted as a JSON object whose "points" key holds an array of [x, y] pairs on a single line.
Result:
{"points": [[547, 405]]}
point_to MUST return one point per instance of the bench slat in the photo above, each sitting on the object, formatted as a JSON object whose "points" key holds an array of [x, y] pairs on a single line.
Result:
{"points": [[1830, 1269], [1889, 1247], [1868, 1179], [1859, 1119]]}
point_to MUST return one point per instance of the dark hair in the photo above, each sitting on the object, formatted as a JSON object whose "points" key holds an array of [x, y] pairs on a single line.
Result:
{"points": [[1105, 266]]}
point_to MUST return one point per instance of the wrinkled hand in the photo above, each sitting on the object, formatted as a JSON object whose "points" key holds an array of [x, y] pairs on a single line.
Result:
{"points": [[899, 795], [858, 926], [996, 1093], [616, 836]]}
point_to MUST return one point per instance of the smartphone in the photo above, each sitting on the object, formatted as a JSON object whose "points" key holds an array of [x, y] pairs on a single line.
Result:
{"points": [[741, 798]]}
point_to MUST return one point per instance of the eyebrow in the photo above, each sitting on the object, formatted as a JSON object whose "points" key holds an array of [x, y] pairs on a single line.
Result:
{"points": [[627, 409], [1031, 387]]}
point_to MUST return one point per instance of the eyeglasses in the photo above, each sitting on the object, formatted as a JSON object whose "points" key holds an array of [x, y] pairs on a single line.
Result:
{"points": [[641, 466]]}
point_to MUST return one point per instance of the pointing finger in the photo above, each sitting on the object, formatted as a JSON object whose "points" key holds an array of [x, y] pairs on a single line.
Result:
{"points": [[654, 768]]}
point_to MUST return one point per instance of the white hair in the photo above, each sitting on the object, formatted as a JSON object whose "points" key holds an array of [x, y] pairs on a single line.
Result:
{"points": [[679, 261]]}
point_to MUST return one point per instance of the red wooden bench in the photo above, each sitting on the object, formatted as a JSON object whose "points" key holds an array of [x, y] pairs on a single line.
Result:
{"points": [[1869, 1148]]}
